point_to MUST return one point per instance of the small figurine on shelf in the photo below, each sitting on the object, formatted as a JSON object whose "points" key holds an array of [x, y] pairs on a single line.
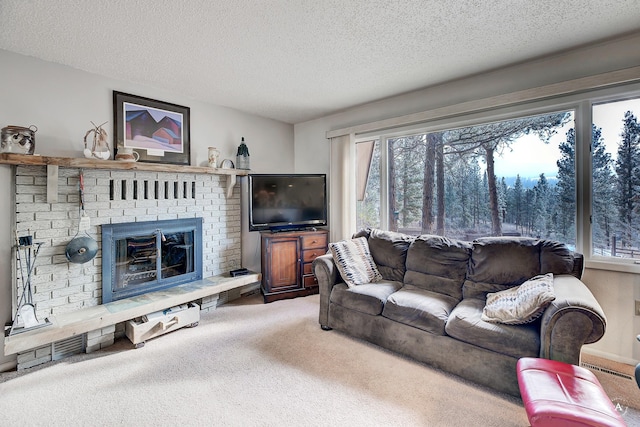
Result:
{"points": [[213, 155], [242, 158], [100, 149]]}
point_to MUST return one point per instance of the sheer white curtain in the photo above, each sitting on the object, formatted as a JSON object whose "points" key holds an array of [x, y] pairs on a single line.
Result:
{"points": [[342, 188]]}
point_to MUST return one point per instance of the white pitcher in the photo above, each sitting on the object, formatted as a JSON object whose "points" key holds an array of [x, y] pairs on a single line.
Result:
{"points": [[126, 154]]}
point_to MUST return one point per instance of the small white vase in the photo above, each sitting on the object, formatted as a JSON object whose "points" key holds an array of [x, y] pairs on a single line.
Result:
{"points": [[214, 155]]}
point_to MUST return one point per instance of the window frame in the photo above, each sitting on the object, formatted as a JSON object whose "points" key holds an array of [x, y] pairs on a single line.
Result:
{"points": [[581, 104]]}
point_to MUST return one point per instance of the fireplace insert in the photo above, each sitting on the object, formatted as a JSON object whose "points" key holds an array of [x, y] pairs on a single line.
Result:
{"points": [[141, 257]]}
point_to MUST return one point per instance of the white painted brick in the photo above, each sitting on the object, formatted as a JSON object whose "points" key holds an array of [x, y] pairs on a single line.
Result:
{"points": [[66, 291], [122, 204], [42, 269], [50, 215], [99, 339], [41, 279], [82, 275], [92, 335], [80, 296], [92, 348], [27, 356], [39, 297], [35, 362], [43, 351], [54, 302], [32, 207], [46, 234], [91, 287], [59, 259], [25, 198], [49, 286], [30, 170], [25, 217], [25, 180], [148, 203], [112, 213], [67, 172], [32, 189]]}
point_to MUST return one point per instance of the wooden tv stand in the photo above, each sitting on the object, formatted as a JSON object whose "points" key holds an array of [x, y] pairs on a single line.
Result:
{"points": [[286, 262]]}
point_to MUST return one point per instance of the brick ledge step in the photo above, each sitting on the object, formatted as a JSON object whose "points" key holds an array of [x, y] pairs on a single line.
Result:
{"points": [[88, 319]]}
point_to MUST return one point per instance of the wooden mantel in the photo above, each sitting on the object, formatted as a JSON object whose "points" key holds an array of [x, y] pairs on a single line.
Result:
{"points": [[52, 164]]}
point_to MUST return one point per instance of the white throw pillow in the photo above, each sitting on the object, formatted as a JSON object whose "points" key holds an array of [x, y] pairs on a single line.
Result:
{"points": [[354, 261], [522, 304]]}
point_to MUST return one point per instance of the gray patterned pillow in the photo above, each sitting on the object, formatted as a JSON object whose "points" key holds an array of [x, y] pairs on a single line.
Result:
{"points": [[521, 304], [354, 261]]}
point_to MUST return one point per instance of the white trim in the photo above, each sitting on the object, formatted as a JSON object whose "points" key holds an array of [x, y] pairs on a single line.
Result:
{"points": [[565, 88], [9, 366], [604, 263], [610, 356]]}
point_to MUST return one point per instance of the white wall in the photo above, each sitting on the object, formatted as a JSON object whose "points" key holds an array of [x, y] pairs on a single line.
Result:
{"points": [[62, 101], [615, 291]]}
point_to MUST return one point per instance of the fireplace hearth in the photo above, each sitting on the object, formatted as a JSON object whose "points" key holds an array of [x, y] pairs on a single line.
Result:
{"points": [[141, 257]]}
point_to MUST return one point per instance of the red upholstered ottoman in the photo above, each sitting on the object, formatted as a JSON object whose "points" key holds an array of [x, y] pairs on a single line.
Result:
{"points": [[558, 394]]}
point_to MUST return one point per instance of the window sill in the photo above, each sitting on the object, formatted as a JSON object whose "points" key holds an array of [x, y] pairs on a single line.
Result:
{"points": [[621, 266]]}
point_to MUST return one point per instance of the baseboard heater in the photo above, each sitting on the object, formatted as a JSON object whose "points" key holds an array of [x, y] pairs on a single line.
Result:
{"points": [[606, 370]]}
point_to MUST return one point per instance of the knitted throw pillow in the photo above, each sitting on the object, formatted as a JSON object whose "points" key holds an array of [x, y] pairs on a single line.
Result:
{"points": [[354, 261], [522, 304]]}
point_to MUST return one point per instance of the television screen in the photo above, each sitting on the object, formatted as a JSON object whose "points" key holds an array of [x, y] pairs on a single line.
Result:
{"points": [[279, 201]]}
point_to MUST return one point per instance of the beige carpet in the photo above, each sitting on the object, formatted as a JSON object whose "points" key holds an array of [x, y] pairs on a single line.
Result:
{"points": [[249, 364]]}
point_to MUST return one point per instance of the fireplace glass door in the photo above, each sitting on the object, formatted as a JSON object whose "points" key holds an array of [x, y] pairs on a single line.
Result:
{"points": [[145, 260]]}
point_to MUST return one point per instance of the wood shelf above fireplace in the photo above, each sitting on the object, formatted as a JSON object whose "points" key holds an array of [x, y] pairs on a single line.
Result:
{"points": [[53, 163]]}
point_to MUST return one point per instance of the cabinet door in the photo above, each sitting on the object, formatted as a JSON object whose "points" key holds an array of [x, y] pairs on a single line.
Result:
{"points": [[284, 264]]}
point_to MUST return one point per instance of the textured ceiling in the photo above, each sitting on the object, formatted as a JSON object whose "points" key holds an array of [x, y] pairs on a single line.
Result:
{"points": [[295, 60]]}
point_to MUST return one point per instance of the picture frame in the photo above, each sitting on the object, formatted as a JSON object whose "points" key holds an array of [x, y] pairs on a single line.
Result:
{"points": [[158, 131]]}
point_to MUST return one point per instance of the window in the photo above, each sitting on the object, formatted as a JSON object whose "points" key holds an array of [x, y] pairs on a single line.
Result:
{"points": [[564, 168], [512, 177], [616, 179], [368, 184]]}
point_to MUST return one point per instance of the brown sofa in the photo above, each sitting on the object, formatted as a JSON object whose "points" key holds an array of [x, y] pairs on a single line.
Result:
{"points": [[429, 304]]}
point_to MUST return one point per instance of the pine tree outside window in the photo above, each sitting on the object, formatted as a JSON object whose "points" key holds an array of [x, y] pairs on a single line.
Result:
{"points": [[615, 154], [492, 179]]}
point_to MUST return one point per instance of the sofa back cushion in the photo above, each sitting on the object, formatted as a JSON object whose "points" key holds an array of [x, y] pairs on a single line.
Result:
{"points": [[555, 257], [389, 251], [438, 264], [498, 263]]}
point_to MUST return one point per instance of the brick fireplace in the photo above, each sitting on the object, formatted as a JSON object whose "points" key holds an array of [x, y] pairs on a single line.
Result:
{"points": [[113, 197]]}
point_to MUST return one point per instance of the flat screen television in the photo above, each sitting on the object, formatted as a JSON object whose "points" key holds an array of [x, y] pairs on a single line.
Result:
{"points": [[287, 201]]}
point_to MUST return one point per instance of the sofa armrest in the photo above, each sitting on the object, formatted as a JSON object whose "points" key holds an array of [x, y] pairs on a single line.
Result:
{"points": [[574, 318], [327, 275]]}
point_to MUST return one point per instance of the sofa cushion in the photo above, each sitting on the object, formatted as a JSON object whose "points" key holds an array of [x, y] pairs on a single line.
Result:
{"points": [[438, 264], [354, 261], [389, 251], [498, 263], [465, 324], [368, 298], [521, 304], [555, 257], [420, 308]]}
